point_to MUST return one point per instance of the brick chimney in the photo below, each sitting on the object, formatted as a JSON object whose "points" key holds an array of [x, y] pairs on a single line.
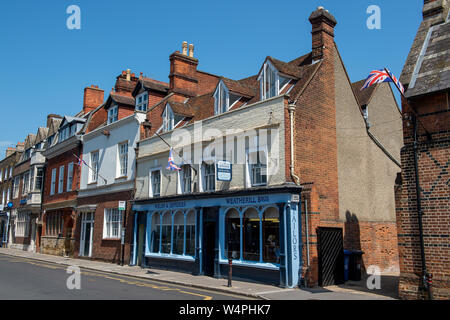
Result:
{"points": [[20, 147], [126, 82], [93, 97], [183, 72], [435, 9], [10, 151], [323, 24], [50, 117]]}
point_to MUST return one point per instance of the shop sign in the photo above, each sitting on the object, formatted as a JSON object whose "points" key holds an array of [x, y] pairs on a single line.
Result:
{"points": [[122, 205], [224, 170]]}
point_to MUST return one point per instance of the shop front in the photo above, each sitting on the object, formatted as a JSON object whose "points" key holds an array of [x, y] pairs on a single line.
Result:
{"points": [[259, 230]]}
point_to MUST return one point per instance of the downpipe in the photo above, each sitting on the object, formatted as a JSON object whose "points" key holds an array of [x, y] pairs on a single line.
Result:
{"points": [[426, 277]]}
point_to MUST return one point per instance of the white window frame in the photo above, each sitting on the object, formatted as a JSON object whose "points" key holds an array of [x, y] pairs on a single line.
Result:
{"points": [[10, 171], [1, 175], [61, 180], [16, 186], [248, 167], [69, 177], [122, 160], [108, 223], [25, 183], [151, 191], [268, 66], [202, 184], [22, 224], [53, 182], [113, 114], [168, 119], [144, 103], [221, 99], [93, 171]]}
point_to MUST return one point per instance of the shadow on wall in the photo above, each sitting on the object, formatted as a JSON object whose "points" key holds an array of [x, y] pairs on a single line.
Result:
{"points": [[352, 235]]}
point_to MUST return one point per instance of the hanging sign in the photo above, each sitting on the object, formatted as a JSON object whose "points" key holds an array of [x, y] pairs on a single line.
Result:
{"points": [[224, 171], [122, 205]]}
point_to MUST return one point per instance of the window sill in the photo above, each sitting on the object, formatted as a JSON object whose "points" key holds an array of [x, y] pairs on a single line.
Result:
{"points": [[111, 239], [260, 265], [92, 183], [169, 256], [121, 178]]}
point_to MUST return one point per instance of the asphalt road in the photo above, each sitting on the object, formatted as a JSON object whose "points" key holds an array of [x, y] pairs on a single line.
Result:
{"points": [[27, 279]]}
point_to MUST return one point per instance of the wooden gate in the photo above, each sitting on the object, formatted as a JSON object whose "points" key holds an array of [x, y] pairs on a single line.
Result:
{"points": [[331, 256]]}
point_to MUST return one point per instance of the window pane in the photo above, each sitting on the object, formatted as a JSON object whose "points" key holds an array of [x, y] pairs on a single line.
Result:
{"points": [[251, 235], [232, 234], [166, 233], [190, 233], [271, 232], [156, 224], [178, 233]]}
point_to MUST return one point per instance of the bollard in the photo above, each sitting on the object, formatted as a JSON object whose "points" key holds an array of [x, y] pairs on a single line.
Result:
{"points": [[230, 272]]}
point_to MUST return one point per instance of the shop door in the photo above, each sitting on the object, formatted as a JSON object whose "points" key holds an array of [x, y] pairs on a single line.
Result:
{"points": [[209, 244], [87, 230], [141, 244], [331, 256], [2, 232]]}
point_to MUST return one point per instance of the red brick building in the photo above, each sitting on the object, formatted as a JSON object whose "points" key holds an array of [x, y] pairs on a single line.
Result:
{"points": [[339, 152], [423, 192], [62, 172]]}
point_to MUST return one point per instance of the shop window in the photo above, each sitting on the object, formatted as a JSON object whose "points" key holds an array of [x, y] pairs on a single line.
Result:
{"points": [[178, 233], [155, 237], [166, 232], [271, 235], [251, 237], [190, 234], [232, 234], [54, 224]]}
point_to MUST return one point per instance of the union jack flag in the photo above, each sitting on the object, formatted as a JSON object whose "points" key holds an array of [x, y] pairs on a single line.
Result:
{"points": [[379, 76], [172, 166], [80, 161]]}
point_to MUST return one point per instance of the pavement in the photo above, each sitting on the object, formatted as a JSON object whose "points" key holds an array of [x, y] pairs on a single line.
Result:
{"points": [[352, 290]]}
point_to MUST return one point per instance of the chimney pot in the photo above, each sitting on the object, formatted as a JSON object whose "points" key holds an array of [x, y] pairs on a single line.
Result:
{"points": [[128, 74], [184, 47], [191, 50]]}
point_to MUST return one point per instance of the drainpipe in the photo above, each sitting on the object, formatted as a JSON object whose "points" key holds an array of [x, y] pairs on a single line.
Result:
{"points": [[425, 275], [291, 108], [307, 235]]}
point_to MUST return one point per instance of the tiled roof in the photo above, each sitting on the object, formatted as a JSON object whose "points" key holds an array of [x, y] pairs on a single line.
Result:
{"points": [[239, 88], [427, 68], [365, 95], [181, 109], [122, 98]]}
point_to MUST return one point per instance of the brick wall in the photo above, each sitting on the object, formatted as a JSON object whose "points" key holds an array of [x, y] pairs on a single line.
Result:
{"points": [[433, 166], [107, 249]]}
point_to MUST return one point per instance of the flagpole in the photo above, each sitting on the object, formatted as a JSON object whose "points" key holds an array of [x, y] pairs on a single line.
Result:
{"points": [[407, 102], [175, 151], [82, 161]]}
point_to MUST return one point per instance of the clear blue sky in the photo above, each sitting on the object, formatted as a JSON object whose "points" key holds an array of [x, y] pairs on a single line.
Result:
{"points": [[45, 66]]}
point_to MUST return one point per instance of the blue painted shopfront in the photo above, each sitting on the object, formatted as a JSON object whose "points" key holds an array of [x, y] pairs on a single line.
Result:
{"points": [[261, 232]]}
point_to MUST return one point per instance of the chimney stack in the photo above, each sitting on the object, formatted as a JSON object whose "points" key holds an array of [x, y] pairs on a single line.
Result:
{"points": [[93, 97], [10, 151], [50, 117], [183, 73], [323, 23]]}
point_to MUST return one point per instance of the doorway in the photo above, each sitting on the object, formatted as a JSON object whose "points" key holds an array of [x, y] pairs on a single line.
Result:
{"points": [[331, 256], [87, 231], [209, 245]]}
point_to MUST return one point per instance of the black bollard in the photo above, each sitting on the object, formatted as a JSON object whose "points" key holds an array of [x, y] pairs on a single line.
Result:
{"points": [[230, 272]]}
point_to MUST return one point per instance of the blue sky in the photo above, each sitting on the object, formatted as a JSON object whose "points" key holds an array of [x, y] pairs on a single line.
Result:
{"points": [[45, 66]]}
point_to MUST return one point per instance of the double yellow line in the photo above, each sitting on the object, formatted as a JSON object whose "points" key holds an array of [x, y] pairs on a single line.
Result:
{"points": [[145, 283]]}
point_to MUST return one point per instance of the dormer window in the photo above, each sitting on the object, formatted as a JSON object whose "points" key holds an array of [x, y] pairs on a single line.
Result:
{"points": [[142, 102], [271, 82], [168, 119], [113, 114], [224, 100]]}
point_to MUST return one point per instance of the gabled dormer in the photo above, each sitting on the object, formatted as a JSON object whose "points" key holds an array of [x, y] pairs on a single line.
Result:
{"points": [[116, 102], [272, 82], [224, 100], [148, 92], [69, 127], [171, 119]]}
